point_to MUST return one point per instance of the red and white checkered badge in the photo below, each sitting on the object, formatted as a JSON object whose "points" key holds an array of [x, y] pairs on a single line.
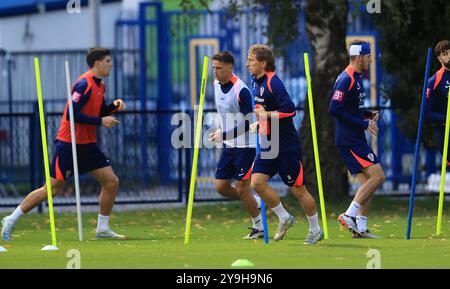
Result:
{"points": [[338, 95], [76, 96]]}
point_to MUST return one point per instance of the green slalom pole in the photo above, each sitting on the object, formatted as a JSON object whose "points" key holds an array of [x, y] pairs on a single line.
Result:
{"points": [[444, 168], [196, 148], [45, 151], [315, 146]]}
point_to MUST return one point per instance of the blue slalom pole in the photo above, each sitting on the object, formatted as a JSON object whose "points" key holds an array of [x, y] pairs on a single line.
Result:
{"points": [[263, 205], [419, 136]]}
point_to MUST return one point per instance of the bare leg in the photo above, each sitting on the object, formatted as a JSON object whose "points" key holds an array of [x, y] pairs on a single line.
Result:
{"points": [[262, 188], [110, 184], [224, 188], [33, 199], [364, 209], [241, 192], [306, 200], [376, 178]]}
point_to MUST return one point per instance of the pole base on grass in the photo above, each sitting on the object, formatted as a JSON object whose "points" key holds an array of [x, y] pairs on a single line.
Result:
{"points": [[242, 263], [49, 248], [3, 249]]}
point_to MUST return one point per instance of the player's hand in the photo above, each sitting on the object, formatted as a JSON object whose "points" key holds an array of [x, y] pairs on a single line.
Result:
{"points": [[372, 128], [109, 121], [216, 136], [120, 104], [254, 127], [375, 115], [259, 109]]}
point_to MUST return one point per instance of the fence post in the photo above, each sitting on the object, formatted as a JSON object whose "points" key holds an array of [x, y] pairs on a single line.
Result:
{"points": [[143, 91], [164, 95]]}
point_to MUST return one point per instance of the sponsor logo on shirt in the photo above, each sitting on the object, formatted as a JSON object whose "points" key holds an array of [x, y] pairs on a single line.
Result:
{"points": [[338, 95], [362, 96], [76, 96], [257, 99]]}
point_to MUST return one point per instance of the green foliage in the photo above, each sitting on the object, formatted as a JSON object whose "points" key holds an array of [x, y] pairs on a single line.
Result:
{"points": [[282, 26], [407, 28]]}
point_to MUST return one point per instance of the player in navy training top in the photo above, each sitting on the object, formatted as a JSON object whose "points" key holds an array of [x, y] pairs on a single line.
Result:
{"points": [[90, 111], [351, 121], [234, 103], [275, 111], [437, 94]]}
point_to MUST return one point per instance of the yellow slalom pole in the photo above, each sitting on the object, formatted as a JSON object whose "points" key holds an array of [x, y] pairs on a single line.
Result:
{"points": [[315, 146], [45, 151], [196, 148], [444, 168]]}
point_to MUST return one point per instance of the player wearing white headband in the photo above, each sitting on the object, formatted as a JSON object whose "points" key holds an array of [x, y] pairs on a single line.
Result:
{"points": [[352, 119]]}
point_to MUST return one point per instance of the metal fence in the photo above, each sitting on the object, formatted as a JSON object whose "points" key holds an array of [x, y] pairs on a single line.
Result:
{"points": [[143, 179], [21, 166], [153, 74]]}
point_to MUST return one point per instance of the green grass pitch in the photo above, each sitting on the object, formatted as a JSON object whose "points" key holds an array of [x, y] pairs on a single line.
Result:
{"points": [[156, 239]]}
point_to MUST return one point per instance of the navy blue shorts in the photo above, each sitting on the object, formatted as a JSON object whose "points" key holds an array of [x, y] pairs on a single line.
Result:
{"points": [[288, 165], [357, 157], [90, 158], [235, 163]]}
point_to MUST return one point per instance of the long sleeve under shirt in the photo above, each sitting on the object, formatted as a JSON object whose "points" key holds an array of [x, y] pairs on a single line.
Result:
{"points": [[270, 92], [436, 100], [347, 107], [79, 99]]}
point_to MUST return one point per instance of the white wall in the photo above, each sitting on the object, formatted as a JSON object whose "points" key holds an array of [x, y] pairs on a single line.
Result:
{"points": [[57, 30]]}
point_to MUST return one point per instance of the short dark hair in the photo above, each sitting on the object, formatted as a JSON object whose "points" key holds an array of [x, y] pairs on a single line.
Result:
{"points": [[224, 56], [263, 53], [442, 46], [95, 54]]}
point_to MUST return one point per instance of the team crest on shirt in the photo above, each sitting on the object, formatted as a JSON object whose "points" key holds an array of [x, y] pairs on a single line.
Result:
{"points": [[68, 174], [261, 91], [428, 92], [447, 84], [76, 96], [371, 157]]}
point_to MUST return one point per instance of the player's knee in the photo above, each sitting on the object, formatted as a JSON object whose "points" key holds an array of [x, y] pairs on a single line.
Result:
{"points": [[242, 189], [221, 188], [379, 178], [114, 181], [257, 186]]}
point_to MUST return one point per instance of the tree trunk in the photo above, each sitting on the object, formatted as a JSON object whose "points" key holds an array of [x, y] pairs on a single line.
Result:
{"points": [[326, 22]]}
